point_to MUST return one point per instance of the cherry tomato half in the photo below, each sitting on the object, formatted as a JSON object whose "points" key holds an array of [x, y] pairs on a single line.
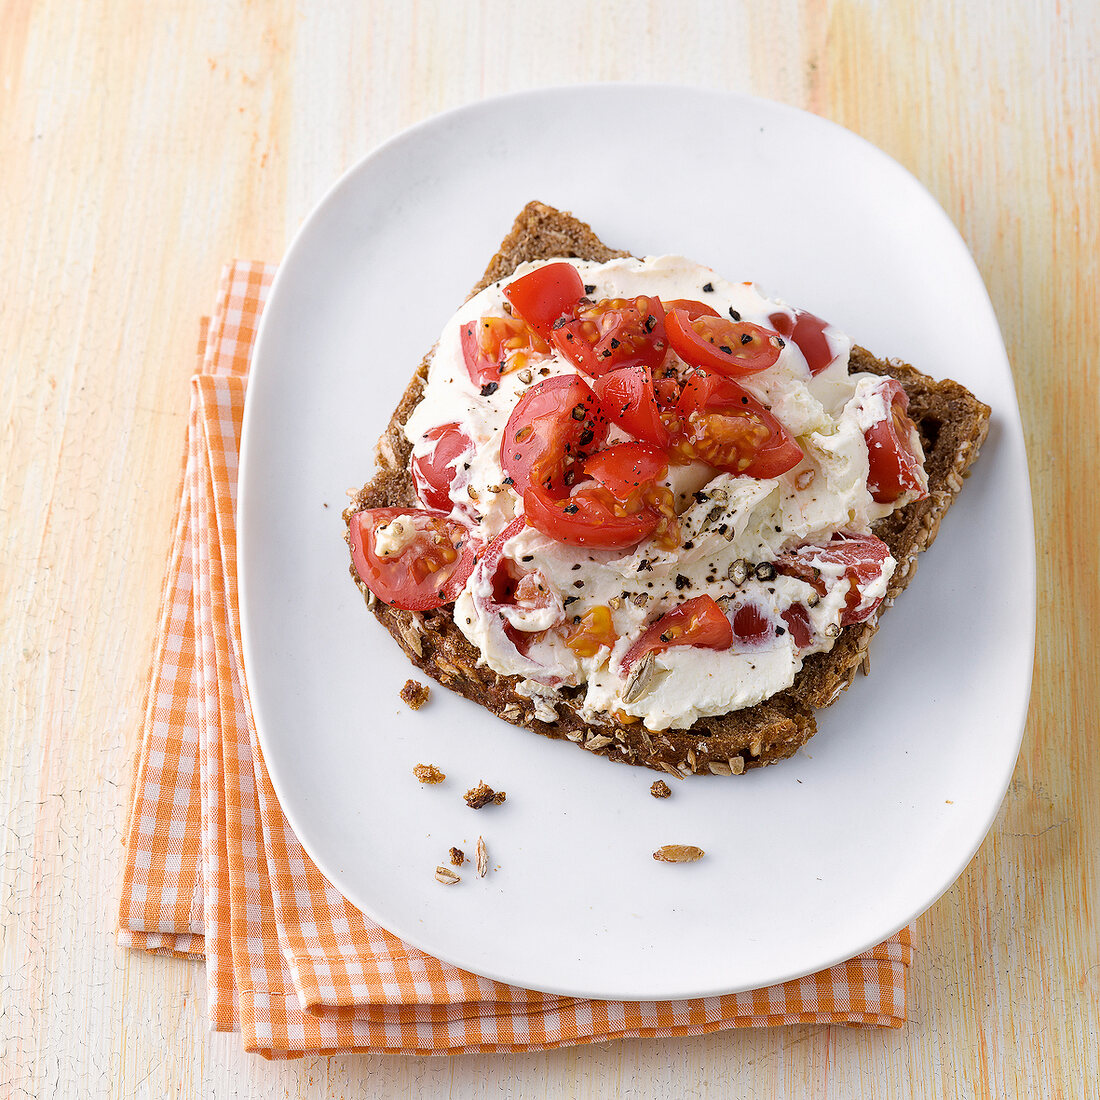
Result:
{"points": [[894, 466], [628, 397], [434, 471], [808, 332], [545, 294], [495, 346], [721, 424], [411, 559], [613, 333], [733, 348], [555, 426], [590, 516], [858, 558], [700, 622]]}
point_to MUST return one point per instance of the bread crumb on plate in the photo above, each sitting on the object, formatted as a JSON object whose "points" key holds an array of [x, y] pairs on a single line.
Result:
{"points": [[415, 693], [428, 773], [483, 795]]}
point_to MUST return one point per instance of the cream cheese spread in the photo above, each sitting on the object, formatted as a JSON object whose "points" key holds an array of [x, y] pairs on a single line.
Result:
{"points": [[731, 527]]}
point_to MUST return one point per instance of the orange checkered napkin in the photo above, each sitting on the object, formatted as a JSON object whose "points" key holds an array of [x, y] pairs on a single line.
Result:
{"points": [[214, 869]]}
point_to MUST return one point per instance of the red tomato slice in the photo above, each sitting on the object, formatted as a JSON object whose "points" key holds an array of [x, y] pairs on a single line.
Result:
{"points": [[721, 424], [691, 307], [700, 622], [808, 332], [627, 468], [433, 558], [856, 560], [613, 333], [544, 295], [894, 466], [589, 517], [729, 347], [555, 426], [797, 619], [628, 397], [495, 346], [434, 471]]}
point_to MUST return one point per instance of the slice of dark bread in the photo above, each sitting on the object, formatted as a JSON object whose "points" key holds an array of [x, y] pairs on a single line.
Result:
{"points": [[952, 424]]}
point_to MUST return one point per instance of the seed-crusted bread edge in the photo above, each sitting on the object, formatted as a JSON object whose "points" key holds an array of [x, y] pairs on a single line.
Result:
{"points": [[953, 424]]}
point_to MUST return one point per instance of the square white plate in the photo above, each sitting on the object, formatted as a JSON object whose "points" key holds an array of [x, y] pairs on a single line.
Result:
{"points": [[808, 862]]}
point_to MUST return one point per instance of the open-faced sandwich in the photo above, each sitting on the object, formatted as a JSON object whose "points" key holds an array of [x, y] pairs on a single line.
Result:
{"points": [[631, 504]]}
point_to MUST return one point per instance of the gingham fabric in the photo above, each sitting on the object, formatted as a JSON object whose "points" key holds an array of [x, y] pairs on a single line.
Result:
{"points": [[213, 868]]}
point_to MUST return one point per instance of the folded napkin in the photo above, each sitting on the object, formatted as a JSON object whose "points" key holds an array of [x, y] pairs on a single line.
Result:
{"points": [[214, 871]]}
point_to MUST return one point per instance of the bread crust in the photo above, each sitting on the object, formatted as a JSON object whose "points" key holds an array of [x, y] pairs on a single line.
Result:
{"points": [[952, 424]]}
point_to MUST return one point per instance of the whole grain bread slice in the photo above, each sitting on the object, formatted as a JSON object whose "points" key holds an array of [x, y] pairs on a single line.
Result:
{"points": [[952, 424]]}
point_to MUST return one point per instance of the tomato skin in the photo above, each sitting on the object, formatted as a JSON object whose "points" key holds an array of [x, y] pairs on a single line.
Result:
{"points": [[408, 580], [545, 294], [699, 622], [555, 425], [722, 424], [434, 472], [691, 307], [894, 466], [587, 518], [732, 348], [495, 591], [628, 397], [750, 625], [797, 619], [808, 332], [613, 333], [862, 558]]}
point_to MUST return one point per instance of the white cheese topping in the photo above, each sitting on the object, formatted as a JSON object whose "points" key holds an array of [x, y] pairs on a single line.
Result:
{"points": [[725, 521]]}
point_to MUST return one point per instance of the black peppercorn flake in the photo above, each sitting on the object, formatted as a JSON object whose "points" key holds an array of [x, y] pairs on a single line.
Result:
{"points": [[708, 288], [734, 314]]}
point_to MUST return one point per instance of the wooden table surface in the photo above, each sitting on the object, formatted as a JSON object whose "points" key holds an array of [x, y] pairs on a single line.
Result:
{"points": [[142, 144]]}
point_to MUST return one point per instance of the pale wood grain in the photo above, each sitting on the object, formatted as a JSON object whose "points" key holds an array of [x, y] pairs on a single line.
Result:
{"points": [[141, 145]]}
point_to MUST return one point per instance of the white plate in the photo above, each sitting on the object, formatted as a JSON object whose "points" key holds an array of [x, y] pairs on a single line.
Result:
{"points": [[808, 863]]}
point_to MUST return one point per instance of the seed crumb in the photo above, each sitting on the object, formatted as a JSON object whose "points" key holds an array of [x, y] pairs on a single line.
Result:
{"points": [[428, 773], [678, 853], [415, 693], [458, 856], [483, 795], [660, 789]]}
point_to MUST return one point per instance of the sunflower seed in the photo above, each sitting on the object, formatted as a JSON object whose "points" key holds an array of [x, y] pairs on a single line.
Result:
{"points": [[599, 741], [639, 680], [446, 876], [482, 858], [737, 764], [670, 769], [412, 638], [718, 768], [678, 853]]}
